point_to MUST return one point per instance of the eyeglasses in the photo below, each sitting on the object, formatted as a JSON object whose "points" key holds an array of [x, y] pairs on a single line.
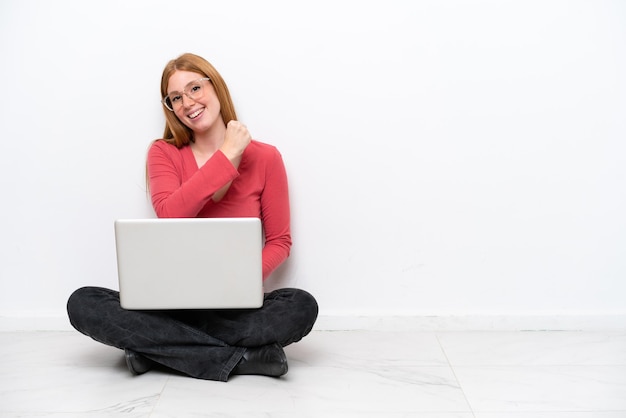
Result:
{"points": [[193, 90]]}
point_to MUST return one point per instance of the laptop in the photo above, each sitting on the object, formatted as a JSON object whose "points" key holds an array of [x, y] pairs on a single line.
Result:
{"points": [[189, 263]]}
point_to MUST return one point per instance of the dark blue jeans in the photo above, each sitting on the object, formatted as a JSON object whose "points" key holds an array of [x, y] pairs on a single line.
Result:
{"points": [[205, 344]]}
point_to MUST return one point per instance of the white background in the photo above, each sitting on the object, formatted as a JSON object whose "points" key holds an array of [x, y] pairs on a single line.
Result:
{"points": [[444, 157]]}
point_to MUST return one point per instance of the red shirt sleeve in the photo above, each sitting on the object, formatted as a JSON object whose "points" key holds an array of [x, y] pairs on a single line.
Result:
{"points": [[173, 198], [275, 214]]}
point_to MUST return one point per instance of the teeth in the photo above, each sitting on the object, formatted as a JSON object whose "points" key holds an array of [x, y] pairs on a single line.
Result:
{"points": [[195, 114]]}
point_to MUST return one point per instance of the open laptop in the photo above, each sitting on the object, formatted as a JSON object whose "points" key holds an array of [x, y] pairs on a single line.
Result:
{"points": [[189, 263]]}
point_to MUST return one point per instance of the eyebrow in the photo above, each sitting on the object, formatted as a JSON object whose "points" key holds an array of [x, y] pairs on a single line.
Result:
{"points": [[179, 91], [174, 91]]}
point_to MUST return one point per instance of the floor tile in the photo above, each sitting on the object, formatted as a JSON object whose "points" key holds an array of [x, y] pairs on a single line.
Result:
{"points": [[534, 348], [370, 348], [544, 388], [305, 414], [594, 414], [54, 373], [90, 390], [320, 391]]}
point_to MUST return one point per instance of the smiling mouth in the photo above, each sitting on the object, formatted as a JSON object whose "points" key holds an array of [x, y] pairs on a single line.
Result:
{"points": [[195, 114]]}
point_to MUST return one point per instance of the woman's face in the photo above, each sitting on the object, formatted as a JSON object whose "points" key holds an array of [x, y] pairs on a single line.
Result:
{"points": [[200, 113]]}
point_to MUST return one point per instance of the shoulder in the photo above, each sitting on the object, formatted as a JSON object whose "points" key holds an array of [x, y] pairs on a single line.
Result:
{"points": [[160, 145], [265, 158], [161, 148], [262, 147], [262, 150]]}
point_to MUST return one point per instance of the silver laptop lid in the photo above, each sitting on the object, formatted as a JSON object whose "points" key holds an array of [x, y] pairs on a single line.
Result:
{"points": [[189, 263]]}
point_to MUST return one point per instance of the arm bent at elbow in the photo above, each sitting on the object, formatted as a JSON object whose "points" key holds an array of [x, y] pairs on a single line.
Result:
{"points": [[173, 195]]}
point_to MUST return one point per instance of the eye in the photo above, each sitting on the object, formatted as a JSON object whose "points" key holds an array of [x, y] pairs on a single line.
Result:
{"points": [[195, 88], [175, 98]]}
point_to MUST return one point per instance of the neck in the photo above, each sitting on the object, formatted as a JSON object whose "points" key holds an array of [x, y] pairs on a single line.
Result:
{"points": [[207, 142]]}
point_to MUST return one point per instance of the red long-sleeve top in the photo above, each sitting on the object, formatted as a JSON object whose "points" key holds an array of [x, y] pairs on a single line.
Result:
{"points": [[181, 189]]}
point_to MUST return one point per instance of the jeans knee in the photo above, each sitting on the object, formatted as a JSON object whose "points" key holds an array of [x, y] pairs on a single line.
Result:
{"points": [[309, 305], [82, 306], [75, 306], [303, 306]]}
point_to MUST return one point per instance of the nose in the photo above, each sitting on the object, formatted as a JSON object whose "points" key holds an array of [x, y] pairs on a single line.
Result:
{"points": [[187, 101]]}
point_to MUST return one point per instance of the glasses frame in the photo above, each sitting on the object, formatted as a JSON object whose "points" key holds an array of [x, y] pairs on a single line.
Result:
{"points": [[171, 108]]}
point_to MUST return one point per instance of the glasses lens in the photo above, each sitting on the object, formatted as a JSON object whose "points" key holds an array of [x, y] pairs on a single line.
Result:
{"points": [[168, 103], [194, 90]]}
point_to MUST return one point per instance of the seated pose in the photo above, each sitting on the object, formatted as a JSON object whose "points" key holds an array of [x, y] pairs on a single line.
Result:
{"points": [[207, 165]]}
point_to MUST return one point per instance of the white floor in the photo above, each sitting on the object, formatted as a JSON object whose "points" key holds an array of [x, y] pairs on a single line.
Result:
{"points": [[333, 374]]}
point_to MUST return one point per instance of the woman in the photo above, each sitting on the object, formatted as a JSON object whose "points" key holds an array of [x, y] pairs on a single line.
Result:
{"points": [[207, 165]]}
